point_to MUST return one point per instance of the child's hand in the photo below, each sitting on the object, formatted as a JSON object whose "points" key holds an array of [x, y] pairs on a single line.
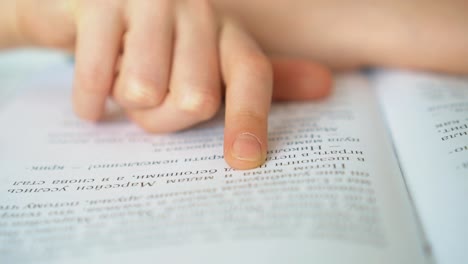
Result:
{"points": [[165, 62]]}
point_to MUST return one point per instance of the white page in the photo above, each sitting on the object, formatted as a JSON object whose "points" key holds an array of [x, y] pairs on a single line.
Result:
{"points": [[331, 191], [428, 118]]}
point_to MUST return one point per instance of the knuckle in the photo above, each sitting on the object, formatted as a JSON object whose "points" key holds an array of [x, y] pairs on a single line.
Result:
{"points": [[250, 115], [201, 105], [137, 98], [138, 92]]}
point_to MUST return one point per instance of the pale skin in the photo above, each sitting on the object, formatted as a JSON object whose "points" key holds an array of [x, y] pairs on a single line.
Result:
{"points": [[168, 63]]}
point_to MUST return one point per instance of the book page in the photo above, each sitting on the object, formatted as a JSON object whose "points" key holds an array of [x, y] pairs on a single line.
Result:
{"points": [[428, 118], [330, 192]]}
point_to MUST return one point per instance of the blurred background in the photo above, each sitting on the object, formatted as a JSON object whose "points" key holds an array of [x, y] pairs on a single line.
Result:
{"points": [[17, 66]]}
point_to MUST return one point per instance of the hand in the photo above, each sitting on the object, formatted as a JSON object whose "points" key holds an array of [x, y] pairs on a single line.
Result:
{"points": [[165, 63]]}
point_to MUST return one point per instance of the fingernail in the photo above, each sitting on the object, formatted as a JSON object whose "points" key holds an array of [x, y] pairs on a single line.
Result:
{"points": [[247, 147], [136, 92]]}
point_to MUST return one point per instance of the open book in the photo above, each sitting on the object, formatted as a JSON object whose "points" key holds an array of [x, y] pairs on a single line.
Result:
{"points": [[332, 190]]}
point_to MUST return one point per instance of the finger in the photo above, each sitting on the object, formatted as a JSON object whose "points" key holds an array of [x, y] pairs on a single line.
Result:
{"points": [[144, 73], [299, 79], [248, 77], [195, 79], [99, 30]]}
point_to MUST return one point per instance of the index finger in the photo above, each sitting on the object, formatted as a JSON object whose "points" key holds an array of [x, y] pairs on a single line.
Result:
{"points": [[249, 79]]}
